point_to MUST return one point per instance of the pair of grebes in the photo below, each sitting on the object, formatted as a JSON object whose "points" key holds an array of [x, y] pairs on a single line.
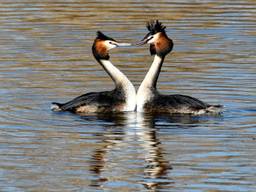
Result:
{"points": [[124, 97]]}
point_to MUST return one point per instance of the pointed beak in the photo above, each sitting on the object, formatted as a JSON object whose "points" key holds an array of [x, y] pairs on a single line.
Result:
{"points": [[142, 41], [123, 44]]}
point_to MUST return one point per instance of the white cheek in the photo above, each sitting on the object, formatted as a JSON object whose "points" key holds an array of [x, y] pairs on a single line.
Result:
{"points": [[109, 45], [155, 37], [151, 41]]}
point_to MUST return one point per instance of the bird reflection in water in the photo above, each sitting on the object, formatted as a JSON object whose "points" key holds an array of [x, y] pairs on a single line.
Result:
{"points": [[156, 167], [142, 130], [149, 125], [111, 136]]}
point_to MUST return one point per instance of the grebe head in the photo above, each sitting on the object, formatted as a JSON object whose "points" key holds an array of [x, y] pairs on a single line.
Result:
{"points": [[102, 44], [160, 43]]}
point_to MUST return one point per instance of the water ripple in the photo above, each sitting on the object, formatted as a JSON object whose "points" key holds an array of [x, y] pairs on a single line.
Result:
{"points": [[46, 56]]}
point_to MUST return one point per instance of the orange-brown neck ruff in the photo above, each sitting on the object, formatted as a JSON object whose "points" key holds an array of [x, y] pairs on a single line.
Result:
{"points": [[162, 46], [99, 50]]}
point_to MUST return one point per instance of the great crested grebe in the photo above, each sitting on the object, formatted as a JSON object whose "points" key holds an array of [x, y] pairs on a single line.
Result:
{"points": [[148, 98], [122, 98]]}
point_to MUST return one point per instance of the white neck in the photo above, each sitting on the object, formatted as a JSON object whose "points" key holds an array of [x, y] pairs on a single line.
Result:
{"points": [[149, 83], [122, 81]]}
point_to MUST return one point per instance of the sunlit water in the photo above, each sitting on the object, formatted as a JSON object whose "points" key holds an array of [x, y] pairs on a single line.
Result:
{"points": [[45, 56]]}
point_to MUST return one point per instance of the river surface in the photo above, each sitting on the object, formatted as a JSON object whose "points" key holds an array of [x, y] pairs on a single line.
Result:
{"points": [[45, 56]]}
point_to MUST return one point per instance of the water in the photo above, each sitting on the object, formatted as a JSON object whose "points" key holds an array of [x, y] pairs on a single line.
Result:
{"points": [[45, 56]]}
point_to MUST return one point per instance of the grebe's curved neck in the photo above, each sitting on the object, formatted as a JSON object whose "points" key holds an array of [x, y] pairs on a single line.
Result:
{"points": [[116, 75], [147, 88], [152, 75], [121, 82]]}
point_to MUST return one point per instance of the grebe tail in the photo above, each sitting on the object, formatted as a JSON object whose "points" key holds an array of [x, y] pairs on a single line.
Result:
{"points": [[56, 106], [148, 97]]}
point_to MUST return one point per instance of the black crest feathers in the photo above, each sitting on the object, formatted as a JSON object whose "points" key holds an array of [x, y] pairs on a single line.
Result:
{"points": [[155, 27], [101, 36]]}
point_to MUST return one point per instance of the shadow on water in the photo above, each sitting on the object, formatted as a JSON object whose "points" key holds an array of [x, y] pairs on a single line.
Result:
{"points": [[152, 120], [114, 119], [163, 120]]}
